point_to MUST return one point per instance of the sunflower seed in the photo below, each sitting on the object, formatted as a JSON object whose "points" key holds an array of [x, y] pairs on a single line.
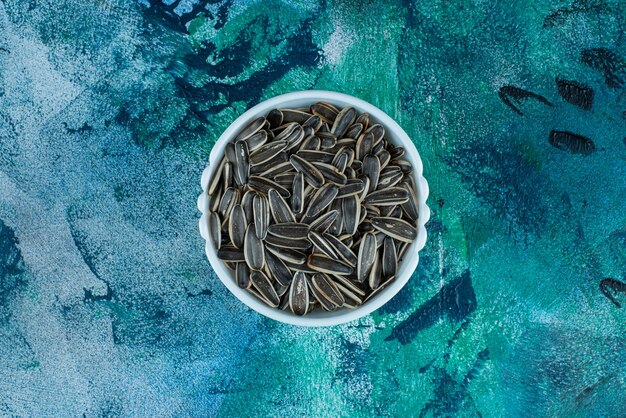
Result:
{"points": [[354, 131], [230, 253], [405, 166], [259, 296], [389, 179], [371, 168], [261, 215], [331, 173], [327, 140], [275, 118], [396, 152], [263, 185], [251, 129], [402, 249], [266, 152], [289, 230], [379, 288], [215, 229], [410, 207], [263, 285], [364, 145], [281, 157], [278, 269], [287, 254], [285, 131], [366, 185], [377, 131], [294, 244], [285, 179], [322, 244], [396, 212], [312, 143], [320, 201], [295, 137], [313, 156], [348, 283], [242, 165], [341, 249], [344, 119], [322, 223], [242, 275], [314, 122], [297, 193], [355, 300], [389, 260], [363, 119], [229, 199], [253, 250], [237, 226], [328, 289], [366, 257], [217, 177], [279, 208], [311, 174], [214, 200], [351, 214], [353, 187], [375, 273], [336, 226], [299, 267], [326, 304], [227, 175], [384, 158], [324, 264], [295, 116], [280, 168], [395, 228], [341, 161], [299, 294], [325, 111], [387, 197]]}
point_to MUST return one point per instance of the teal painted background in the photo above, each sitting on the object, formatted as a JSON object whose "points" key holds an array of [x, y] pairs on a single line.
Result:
{"points": [[108, 306]]}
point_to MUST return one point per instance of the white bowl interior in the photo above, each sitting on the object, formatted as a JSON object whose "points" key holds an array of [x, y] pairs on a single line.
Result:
{"points": [[394, 133]]}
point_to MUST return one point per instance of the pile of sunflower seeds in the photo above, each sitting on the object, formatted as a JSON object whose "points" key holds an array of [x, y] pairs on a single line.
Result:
{"points": [[312, 207]]}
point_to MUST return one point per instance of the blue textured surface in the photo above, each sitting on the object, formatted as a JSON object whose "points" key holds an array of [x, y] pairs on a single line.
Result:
{"points": [[108, 306]]}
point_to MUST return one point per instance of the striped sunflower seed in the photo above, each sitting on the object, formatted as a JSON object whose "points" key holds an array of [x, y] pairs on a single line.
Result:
{"points": [[324, 264], [387, 197], [261, 215], [263, 285], [242, 275], [323, 222], [215, 229], [299, 294], [389, 260], [395, 228], [367, 255], [281, 212], [251, 129], [328, 289], [253, 249], [237, 226], [290, 230], [311, 174]]}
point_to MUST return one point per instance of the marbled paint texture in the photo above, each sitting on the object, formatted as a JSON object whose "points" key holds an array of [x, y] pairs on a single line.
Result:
{"points": [[108, 306]]}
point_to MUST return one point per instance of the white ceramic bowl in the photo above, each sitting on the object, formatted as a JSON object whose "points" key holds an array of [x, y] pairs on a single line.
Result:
{"points": [[394, 133]]}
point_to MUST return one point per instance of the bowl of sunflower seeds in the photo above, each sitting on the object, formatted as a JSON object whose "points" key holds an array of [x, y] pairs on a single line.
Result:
{"points": [[314, 208]]}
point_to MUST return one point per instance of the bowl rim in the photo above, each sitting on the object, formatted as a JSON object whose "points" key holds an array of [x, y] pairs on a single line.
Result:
{"points": [[411, 257]]}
